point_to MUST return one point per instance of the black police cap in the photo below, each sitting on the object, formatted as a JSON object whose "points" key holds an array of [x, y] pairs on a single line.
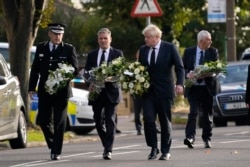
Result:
{"points": [[56, 28]]}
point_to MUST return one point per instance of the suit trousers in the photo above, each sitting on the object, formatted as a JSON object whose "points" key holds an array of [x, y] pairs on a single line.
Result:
{"points": [[137, 100], [152, 105], [200, 100], [105, 110], [52, 117]]}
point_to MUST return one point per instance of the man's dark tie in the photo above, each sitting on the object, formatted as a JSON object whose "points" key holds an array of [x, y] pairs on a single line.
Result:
{"points": [[201, 62], [152, 59], [102, 57], [53, 48]]}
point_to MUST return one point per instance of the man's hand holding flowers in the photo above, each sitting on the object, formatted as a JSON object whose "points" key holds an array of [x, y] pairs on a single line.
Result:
{"points": [[209, 69], [105, 73]]}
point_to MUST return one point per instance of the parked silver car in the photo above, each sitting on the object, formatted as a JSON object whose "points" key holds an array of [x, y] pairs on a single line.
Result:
{"points": [[13, 125]]}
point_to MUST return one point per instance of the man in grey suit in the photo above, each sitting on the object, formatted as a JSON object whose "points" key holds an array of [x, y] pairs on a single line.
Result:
{"points": [[160, 57], [104, 105], [200, 95]]}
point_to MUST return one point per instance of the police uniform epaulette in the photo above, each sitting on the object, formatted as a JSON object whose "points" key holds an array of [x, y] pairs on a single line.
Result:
{"points": [[43, 43], [68, 44]]}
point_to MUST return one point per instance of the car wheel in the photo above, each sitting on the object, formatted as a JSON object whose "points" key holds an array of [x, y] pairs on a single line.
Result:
{"points": [[220, 123], [241, 122], [21, 140]]}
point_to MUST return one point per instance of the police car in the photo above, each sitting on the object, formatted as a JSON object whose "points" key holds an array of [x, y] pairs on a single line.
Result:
{"points": [[80, 114]]}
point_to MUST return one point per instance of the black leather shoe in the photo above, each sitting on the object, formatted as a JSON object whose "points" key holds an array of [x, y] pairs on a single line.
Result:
{"points": [[165, 157], [207, 144], [139, 132], [189, 142], [153, 153], [54, 157], [107, 156]]}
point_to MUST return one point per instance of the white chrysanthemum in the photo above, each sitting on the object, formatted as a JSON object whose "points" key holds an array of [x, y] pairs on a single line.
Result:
{"points": [[137, 71], [125, 85], [137, 63], [142, 68], [104, 71], [131, 66], [130, 85], [137, 77], [66, 68], [141, 79], [58, 78], [146, 85], [219, 65], [138, 87]]}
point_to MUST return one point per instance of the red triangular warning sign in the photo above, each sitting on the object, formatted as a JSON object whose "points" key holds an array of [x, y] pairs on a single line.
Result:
{"points": [[144, 8]]}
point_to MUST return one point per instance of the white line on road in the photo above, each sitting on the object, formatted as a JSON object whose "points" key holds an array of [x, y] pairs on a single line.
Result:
{"points": [[75, 155], [36, 163], [234, 141], [117, 148], [238, 133], [23, 164], [121, 153]]}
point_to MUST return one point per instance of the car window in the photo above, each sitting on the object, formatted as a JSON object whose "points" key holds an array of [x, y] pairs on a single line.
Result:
{"points": [[1, 70], [236, 73], [5, 53], [246, 56], [4, 69]]}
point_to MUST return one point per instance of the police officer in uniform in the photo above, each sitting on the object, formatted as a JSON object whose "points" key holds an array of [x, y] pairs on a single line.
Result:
{"points": [[52, 109]]}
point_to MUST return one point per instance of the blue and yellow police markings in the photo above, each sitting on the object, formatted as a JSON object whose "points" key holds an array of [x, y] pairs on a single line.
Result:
{"points": [[33, 109], [72, 112]]}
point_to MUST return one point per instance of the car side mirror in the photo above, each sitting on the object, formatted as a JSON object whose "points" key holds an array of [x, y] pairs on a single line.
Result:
{"points": [[2, 80]]}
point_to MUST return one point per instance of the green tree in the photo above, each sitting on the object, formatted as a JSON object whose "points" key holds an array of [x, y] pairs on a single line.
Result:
{"points": [[21, 23]]}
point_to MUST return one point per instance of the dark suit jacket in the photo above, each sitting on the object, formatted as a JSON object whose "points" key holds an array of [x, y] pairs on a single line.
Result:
{"points": [[161, 75], [189, 57], [45, 61], [111, 90]]}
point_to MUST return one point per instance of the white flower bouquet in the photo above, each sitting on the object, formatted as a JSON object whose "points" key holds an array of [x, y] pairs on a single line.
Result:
{"points": [[135, 79], [105, 73], [209, 69], [59, 78]]}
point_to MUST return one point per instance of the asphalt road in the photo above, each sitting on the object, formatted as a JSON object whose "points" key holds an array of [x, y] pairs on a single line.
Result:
{"points": [[231, 148]]}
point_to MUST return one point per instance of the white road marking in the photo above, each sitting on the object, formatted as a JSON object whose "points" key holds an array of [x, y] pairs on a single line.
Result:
{"points": [[234, 141], [36, 163], [117, 148], [75, 155], [121, 153], [238, 133], [23, 164], [48, 162]]}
